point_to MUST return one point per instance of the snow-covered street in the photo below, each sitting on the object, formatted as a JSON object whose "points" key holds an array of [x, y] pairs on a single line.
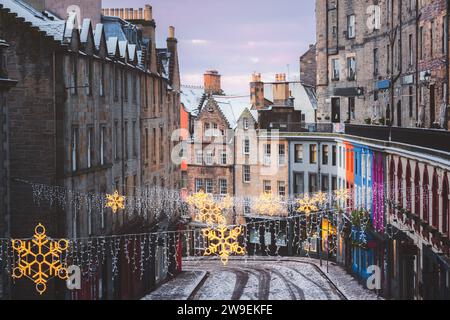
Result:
{"points": [[262, 279]]}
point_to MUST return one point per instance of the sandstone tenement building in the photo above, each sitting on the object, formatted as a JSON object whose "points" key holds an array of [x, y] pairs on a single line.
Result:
{"points": [[383, 63]]}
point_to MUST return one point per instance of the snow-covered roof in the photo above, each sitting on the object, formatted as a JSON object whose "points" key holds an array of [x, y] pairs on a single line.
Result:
{"points": [[305, 97], [48, 24], [111, 44], [85, 30], [191, 98], [164, 59], [232, 107]]}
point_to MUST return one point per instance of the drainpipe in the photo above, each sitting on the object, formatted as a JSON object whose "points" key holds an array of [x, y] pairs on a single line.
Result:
{"points": [[447, 65]]}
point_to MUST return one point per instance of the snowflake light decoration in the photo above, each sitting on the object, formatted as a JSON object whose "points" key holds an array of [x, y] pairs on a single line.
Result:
{"points": [[321, 198], [40, 259], [115, 201], [307, 205], [223, 241], [341, 195], [268, 204], [208, 209]]}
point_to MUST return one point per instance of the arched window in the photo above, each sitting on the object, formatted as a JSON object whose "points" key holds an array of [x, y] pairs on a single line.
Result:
{"points": [[426, 195], [400, 184], [445, 207], [408, 187], [417, 191], [435, 197], [392, 181]]}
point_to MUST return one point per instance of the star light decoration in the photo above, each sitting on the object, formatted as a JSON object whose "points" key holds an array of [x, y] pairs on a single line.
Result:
{"points": [[321, 198], [268, 204], [39, 259], [115, 201], [307, 205], [209, 210], [223, 241]]}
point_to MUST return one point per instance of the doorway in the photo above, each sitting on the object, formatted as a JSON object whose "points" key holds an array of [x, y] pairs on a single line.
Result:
{"points": [[399, 113], [336, 110]]}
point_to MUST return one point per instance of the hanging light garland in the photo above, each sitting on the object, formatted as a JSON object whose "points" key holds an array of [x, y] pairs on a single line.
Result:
{"points": [[269, 205]]}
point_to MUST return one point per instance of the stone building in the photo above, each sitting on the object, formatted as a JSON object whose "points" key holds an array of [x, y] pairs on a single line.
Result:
{"points": [[5, 85], [80, 119], [308, 67], [382, 64]]}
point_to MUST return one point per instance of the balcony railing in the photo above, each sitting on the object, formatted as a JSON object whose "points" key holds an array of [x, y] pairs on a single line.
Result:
{"points": [[426, 138]]}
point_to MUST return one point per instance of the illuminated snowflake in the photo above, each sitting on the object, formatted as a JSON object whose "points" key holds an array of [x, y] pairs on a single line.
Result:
{"points": [[209, 210], [223, 241], [39, 259], [341, 195], [115, 201], [268, 204], [307, 205], [321, 198]]}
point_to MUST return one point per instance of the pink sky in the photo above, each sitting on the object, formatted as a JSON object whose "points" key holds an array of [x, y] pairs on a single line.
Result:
{"points": [[235, 37]]}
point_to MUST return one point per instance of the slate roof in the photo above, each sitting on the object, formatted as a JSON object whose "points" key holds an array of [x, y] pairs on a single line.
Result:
{"points": [[46, 23], [305, 97], [232, 107]]}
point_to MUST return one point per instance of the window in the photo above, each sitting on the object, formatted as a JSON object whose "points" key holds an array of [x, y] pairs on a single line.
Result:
{"points": [[74, 75], [334, 183], [432, 39], [298, 153], [134, 142], [209, 185], [281, 154], [90, 149], [351, 108], [351, 31], [223, 158], [209, 158], [325, 154], [199, 157], [198, 185], [335, 65], [267, 185], [299, 183], [325, 183], [281, 188], [421, 43], [246, 123], [207, 129], [154, 146], [375, 62], [184, 179], [161, 145], [351, 68], [247, 146], [334, 156], [313, 187], [247, 204], [89, 76], [312, 153], [223, 186], [267, 154], [116, 140], [125, 133], [102, 145], [247, 174], [102, 80], [146, 144], [116, 83], [410, 50], [74, 150]]}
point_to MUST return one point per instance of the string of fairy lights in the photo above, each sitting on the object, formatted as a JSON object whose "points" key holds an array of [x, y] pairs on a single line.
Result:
{"points": [[306, 221]]}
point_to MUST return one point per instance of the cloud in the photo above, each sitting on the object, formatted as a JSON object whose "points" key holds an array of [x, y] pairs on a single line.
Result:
{"points": [[254, 59], [199, 41]]}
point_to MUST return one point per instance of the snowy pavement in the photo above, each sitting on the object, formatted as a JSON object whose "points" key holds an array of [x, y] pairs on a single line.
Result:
{"points": [[261, 279]]}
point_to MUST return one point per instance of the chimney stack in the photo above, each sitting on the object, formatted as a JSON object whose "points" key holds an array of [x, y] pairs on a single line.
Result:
{"points": [[257, 92], [281, 90], [212, 82], [148, 13]]}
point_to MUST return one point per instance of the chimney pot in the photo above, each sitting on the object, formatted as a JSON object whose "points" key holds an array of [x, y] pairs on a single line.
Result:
{"points": [[171, 32], [148, 13]]}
